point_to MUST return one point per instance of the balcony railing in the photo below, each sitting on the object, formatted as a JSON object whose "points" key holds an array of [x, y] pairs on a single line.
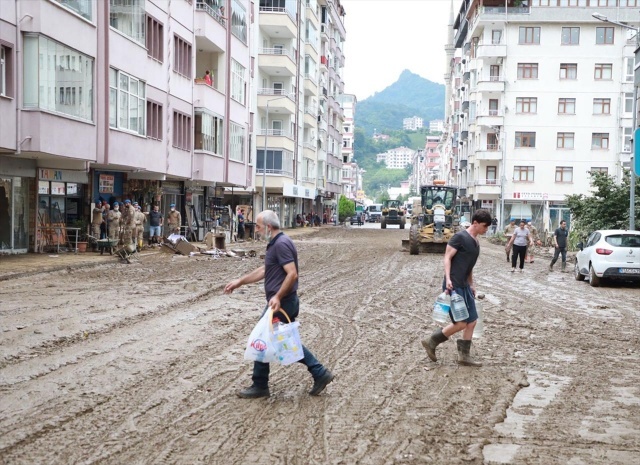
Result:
{"points": [[311, 110], [211, 9], [275, 132], [277, 9], [496, 78], [311, 77], [486, 182], [493, 147], [308, 179], [278, 51], [495, 10], [272, 91], [309, 144]]}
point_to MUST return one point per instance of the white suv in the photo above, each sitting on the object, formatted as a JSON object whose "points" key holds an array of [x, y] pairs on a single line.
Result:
{"points": [[609, 253]]}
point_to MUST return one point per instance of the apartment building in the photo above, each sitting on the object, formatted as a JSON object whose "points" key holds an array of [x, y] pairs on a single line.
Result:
{"points": [[107, 100], [413, 123], [436, 125], [350, 169], [397, 158], [541, 95]]}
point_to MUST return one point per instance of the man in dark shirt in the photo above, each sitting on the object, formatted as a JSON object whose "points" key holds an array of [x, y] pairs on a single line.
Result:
{"points": [[241, 225], [155, 225], [280, 274], [560, 243], [460, 257]]}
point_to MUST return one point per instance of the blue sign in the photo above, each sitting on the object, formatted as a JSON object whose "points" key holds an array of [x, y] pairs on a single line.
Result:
{"points": [[636, 152]]}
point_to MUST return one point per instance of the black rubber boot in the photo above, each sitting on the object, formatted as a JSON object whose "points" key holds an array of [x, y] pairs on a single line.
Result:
{"points": [[464, 357], [254, 392], [434, 341], [564, 267]]}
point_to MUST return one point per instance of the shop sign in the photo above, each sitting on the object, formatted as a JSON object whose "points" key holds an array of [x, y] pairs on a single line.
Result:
{"points": [[529, 195], [294, 190], [106, 185], [50, 174]]}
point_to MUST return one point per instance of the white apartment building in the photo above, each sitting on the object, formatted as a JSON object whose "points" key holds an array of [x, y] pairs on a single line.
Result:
{"points": [[413, 123], [351, 174], [541, 95], [436, 125], [397, 158]]}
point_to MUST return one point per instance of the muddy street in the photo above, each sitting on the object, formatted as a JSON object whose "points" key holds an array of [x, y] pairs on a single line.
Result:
{"points": [[140, 364]]}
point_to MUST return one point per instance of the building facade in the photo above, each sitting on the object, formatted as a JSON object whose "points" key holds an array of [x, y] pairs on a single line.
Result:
{"points": [[397, 158], [541, 96], [164, 102], [413, 123]]}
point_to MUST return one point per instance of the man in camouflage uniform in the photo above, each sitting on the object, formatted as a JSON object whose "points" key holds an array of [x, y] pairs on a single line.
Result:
{"points": [[113, 220], [96, 219], [140, 220], [128, 223], [174, 220], [535, 240], [508, 232]]}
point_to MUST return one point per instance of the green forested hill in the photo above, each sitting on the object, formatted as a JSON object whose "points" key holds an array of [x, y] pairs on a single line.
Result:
{"points": [[411, 95]]}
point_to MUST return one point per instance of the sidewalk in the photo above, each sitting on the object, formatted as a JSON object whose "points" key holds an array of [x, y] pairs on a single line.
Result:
{"points": [[15, 266]]}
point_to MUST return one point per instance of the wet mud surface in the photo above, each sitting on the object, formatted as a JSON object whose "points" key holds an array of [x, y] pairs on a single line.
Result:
{"points": [[140, 364]]}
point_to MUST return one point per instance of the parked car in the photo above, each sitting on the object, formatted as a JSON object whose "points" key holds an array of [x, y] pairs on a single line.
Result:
{"points": [[609, 254]]}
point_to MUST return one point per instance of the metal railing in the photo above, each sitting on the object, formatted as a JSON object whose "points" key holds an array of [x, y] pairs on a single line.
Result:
{"points": [[202, 5], [275, 132], [279, 52], [486, 182], [277, 9]]}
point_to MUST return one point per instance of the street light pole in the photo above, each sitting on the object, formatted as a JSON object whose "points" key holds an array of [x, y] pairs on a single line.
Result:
{"points": [[264, 156], [632, 174]]}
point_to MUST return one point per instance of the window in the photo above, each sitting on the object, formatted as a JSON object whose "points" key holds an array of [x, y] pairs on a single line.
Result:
{"points": [[278, 161], [128, 17], [82, 7], [6, 71], [627, 134], [209, 132], [601, 106], [182, 56], [600, 141], [527, 70], [565, 140], [603, 71], [599, 169], [526, 105], [492, 174], [496, 36], [566, 106], [628, 102], [568, 71], [526, 139], [155, 39], [493, 107], [529, 35], [181, 131], [629, 70], [237, 82], [126, 102], [236, 142], [523, 173], [564, 174], [239, 21], [57, 78], [570, 36], [494, 73], [604, 35], [154, 120]]}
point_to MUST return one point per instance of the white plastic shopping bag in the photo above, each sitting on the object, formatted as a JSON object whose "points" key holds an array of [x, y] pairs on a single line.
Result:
{"points": [[260, 346], [288, 346]]}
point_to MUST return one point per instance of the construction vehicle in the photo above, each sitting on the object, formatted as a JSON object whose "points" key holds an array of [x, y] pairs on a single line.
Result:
{"points": [[436, 222], [392, 213]]}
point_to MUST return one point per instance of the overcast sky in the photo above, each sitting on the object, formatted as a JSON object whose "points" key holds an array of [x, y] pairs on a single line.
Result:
{"points": [[385, 37]]}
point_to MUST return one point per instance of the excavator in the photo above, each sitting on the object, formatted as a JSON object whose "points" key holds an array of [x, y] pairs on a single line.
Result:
{"points": [[437, 221]]}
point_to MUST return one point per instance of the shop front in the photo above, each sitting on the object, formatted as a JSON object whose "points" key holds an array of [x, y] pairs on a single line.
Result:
{"points": [[297, 200], [16, 183], [108, 185]]}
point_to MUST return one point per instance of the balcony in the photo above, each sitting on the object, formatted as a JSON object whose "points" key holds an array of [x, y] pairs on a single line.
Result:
{"points": [[487, 186], [464, 135], [491, 152], [277, 61], [310, 85], [205, 96], [490, 118], [209, 7], [276, 21], [491, 51], [466, 76], [277, 104], [310, 116], [209, 28], [495, 84], [465, 105]]}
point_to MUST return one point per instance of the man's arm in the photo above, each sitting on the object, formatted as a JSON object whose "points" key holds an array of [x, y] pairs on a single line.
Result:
{"points": [[253, 277], [448, 256], [555, 238], [287, 285]]}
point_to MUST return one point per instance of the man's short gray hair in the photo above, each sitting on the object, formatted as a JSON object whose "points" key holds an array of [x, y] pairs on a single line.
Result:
{"points": [[270, 218]]}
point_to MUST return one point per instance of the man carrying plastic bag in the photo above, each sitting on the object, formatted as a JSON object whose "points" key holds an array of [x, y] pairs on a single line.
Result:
{"points": [[280, 274]]}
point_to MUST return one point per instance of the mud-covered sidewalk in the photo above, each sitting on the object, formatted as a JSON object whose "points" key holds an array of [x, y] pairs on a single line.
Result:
{"points": [[114, 363]]}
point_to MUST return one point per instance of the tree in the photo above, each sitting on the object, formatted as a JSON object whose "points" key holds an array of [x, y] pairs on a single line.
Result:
{"points": [[346, 208], [606, 208]]}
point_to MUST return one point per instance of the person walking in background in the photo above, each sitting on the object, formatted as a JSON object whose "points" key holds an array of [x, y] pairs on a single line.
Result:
{"points": [[460, 258], [128, 223], [174, 220], [494, 225], [560, 243], [155, 225], [241, 224], [280, 274], [520, 239], [508, 232], [104, 227], [535, 241], [141, 219], [96, 219]]}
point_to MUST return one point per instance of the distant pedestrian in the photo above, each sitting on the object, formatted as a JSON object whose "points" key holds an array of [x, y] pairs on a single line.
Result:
{"points": [[174, 220], [207, 78], [114, 222], [155, 225], [96, 219], [460, 258], [520, 239], [535, 240], [280, 274], [508, 232], [560, 243], [494, 225], [241, 225]]}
